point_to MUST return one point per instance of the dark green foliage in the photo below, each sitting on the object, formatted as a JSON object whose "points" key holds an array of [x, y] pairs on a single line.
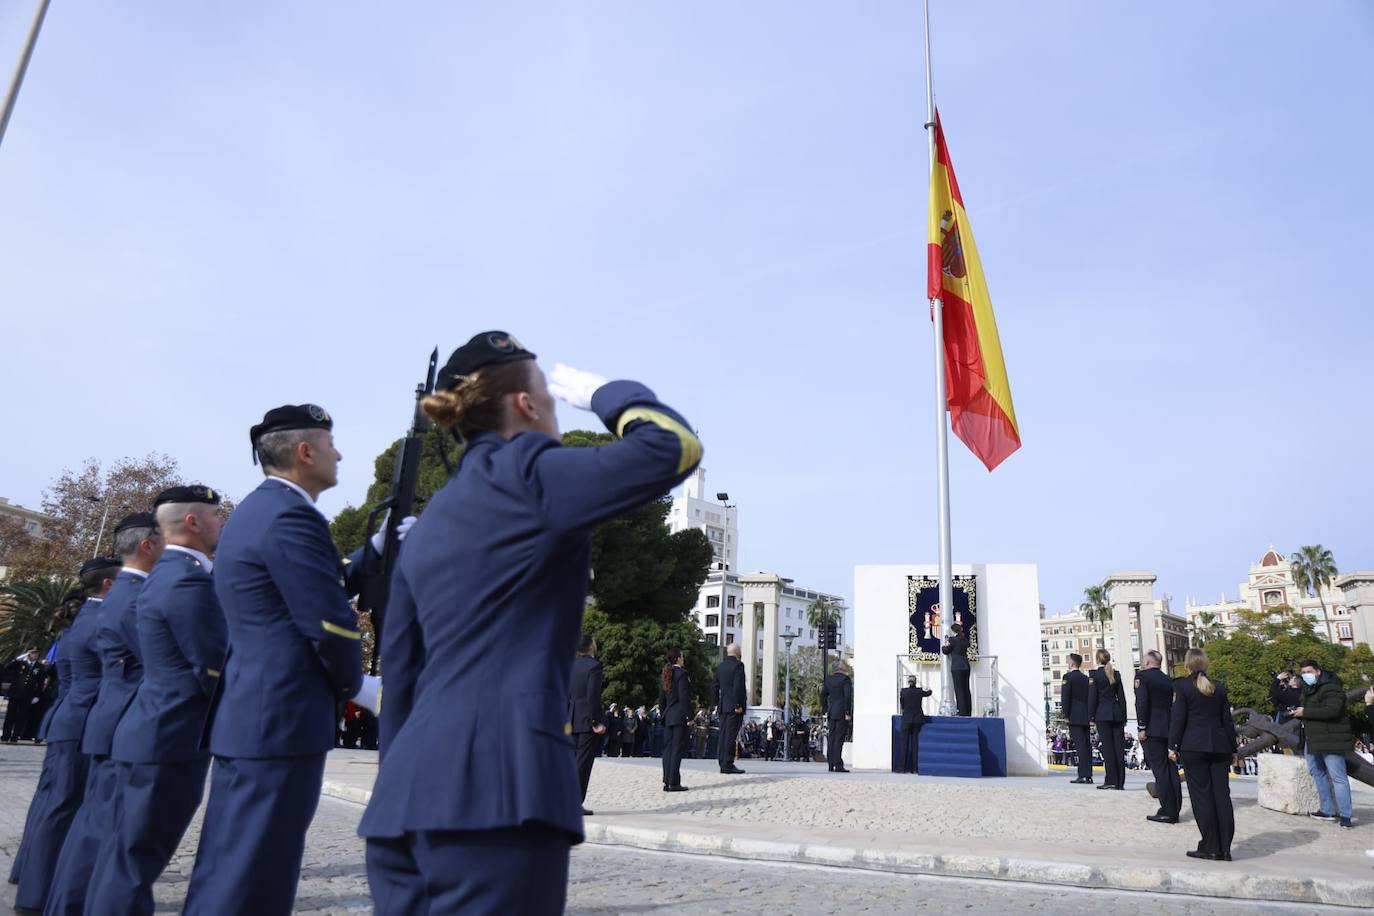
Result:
{"points": [[633, 653], [350, 525], [30, 615]]}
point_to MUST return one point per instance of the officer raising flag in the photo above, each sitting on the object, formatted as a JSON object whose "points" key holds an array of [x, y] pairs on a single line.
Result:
{"points": [[477, 800]]}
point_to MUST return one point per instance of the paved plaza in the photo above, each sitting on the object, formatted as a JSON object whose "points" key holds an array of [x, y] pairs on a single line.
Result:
{"points": [[747, 826]]}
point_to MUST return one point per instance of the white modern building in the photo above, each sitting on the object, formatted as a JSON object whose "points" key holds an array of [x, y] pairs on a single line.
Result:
{"points": [[756, 610], [716, 518], [1270, 585]]}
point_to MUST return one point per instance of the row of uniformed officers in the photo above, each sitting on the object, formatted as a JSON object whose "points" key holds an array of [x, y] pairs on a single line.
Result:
{"points": [[476, 805], [1183, 720]]}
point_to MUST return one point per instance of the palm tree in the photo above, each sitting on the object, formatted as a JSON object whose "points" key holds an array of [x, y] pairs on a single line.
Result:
{"points": [[1096, 608], [822, 611], [1313, 569], [1206, 628], [30, 615]]}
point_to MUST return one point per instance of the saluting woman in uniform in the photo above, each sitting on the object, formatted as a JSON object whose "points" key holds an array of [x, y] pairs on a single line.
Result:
{"points": [[675, 700], [1107, 705], [1203, 735], [476, 802]]}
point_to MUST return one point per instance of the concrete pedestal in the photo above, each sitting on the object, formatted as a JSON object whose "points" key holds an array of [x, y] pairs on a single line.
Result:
{"points": [[1285, 785]]}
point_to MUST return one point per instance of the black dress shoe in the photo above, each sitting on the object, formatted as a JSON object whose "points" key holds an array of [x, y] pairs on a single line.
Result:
{"points": [[676, 789], [1105, 786], [1199, 854], [839, 770], [733, 771], [1161, 819]]}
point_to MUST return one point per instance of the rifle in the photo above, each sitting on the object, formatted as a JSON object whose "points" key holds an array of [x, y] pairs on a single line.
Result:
{"points": [[378, 566]]}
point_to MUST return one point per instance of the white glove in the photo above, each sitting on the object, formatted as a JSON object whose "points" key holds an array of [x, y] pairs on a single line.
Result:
{"points": [[379, 539], [574, 386], [370, 694]]}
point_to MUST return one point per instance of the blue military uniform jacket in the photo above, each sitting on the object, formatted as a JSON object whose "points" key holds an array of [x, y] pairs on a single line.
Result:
{"points": [[121, 669], [1154, 697], [483, 619], [78, 674], [295, 647], [184, 640], [1106, 699]]}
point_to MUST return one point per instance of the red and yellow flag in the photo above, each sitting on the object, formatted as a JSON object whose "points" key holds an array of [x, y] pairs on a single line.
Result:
{"points": [[976, 386]]}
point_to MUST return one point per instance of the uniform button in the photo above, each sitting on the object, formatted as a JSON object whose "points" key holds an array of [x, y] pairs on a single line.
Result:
{"points": [[567, 728]]}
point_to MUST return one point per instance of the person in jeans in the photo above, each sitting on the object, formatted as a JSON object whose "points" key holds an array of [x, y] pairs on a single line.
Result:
{"points": [[1326, 725]]}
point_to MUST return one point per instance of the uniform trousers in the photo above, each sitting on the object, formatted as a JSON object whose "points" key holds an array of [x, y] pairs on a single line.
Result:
{"points": [[834, 743], [1112, 739], [963, 697], [439, 872], [911, 746], [1168, 787], [90, 830], [63, 790], [253, 839], [729, 734], [36, 805], [16, 715], [587, 744], [154, 804], [1083, 749], [674, 746], [1209, 791]]}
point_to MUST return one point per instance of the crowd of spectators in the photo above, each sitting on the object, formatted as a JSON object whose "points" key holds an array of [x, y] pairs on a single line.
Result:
{"points": [[638, 732]]}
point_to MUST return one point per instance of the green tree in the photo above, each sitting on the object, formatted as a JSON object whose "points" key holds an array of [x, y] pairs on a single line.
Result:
{"points": [[806, 679], [1206, 628], [1096, 608], [350, 525], [1313, 569], [633, 652], [31, 614]]}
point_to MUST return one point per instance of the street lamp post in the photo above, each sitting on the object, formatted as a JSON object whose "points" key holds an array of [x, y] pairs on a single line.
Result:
{"points": [[787, 699], [17, 80], [725, 508], [104, 517]]}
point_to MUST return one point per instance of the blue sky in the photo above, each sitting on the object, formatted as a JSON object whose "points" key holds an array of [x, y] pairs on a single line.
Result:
{"points": [[206, 211]]}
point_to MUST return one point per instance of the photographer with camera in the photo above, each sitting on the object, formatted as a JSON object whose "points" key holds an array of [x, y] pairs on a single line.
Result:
{"points": [[1285, 693]]}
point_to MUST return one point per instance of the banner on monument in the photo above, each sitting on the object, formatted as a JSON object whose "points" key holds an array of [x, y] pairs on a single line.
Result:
{"points": [[929, 623]]}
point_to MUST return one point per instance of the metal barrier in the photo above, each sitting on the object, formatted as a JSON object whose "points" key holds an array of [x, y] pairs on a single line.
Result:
{"points": [[984, 685]]}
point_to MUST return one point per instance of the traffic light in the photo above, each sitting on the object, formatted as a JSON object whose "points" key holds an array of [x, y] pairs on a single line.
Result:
{"points": [[828, 635]]}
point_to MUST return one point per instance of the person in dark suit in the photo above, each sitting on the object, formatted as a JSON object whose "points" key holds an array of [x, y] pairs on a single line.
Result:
{"points": [[1107, 705], [732, 698], [674, 698], [295, 657], [1073, 703], [157, 750], [837, 697], [956, 647], [1154, 700], [913, 717], [1203, 735], [584, 701], [475, 807], [611, 744], [139, 544], [62, 782], [24, 675]]}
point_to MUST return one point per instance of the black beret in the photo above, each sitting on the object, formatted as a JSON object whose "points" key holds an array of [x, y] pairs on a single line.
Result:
{"points": [[486, 349], [95, 563], [195, 493], [136, 520], [290, 416]]}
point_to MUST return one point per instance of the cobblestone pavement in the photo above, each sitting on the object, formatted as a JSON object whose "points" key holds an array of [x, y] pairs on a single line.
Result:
{"points": [[610, 880]]}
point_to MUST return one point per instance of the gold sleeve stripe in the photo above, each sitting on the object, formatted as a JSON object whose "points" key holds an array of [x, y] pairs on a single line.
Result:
{"points": [[340, 631], [212, 672], [691, 445]]}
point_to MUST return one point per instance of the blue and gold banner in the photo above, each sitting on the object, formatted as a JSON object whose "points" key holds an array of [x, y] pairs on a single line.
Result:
{"points": [[930, 623]]}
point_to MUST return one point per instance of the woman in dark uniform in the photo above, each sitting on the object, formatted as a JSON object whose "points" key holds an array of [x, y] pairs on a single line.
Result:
{"points": [[477, 793], [1203, 735], [1107, 705], [675, 701]]}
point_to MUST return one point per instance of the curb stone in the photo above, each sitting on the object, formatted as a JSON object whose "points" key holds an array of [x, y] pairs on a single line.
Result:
{"points": [[1218, 881]]}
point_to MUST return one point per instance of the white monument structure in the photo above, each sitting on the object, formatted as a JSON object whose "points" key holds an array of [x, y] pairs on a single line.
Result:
{"points": [[1008, 623]]}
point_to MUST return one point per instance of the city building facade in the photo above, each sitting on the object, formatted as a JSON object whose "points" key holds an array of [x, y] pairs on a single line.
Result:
{"points": [[1270, 585]]}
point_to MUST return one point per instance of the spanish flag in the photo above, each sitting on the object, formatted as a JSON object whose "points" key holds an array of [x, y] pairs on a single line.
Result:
{"points": [[976, 387]]}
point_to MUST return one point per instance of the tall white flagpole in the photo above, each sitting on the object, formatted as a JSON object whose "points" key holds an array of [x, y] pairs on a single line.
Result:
{"points": [[16, 81], [941, 427]]}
